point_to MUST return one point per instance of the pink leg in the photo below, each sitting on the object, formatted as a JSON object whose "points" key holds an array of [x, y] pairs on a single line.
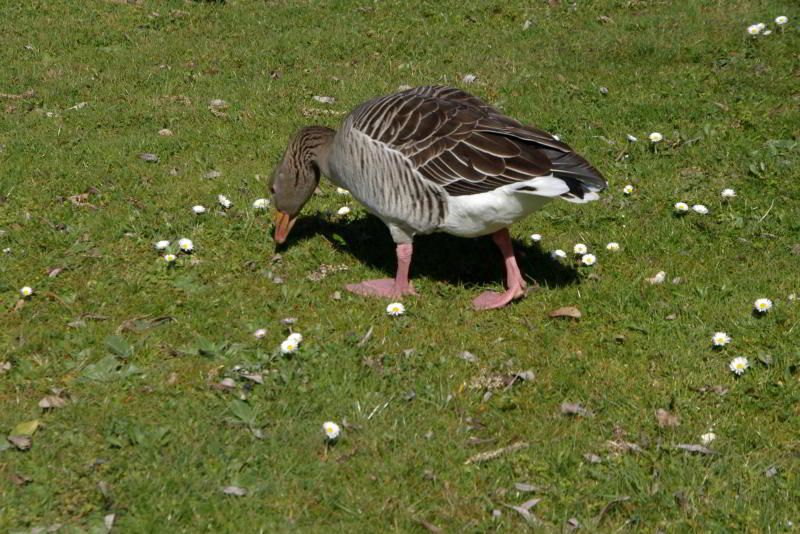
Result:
{"points": [[489, 300], [390, 287]]}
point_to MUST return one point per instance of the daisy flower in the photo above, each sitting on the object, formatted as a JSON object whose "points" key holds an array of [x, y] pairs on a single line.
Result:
{"points": [[198, 209], [224, 201], [681, 207], [628, 189], [632, 139], [707, 438], [699, 208], [558, 254], [26, 291], [754, 29], [720, 339], [161, 245], [536, 237], [588, 259], [331, 430], [580, 248], [613, 246], [395, 308], [762, 305], [260, 333], [344, 210], [170, 258], [655, 137], [288, 346], [739, 365], [296, 337], [261, 203], [728, 193], [185, 244], [342, 191], [780, 21]]}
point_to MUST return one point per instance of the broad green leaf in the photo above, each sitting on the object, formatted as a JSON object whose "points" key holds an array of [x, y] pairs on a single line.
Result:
{"points": [[25, 429], [118, 346]]}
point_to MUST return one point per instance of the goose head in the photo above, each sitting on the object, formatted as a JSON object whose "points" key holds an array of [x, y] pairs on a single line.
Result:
{"points": [[297, 175]]}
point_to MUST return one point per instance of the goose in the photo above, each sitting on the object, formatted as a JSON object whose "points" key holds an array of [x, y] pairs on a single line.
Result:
{"points": [[434, 159]]}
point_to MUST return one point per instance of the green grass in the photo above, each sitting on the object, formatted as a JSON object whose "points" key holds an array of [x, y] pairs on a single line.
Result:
{"points": [[146, 436]]}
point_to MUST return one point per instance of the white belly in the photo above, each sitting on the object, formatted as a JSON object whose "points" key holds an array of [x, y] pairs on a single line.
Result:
{"points": [[485, 213]]}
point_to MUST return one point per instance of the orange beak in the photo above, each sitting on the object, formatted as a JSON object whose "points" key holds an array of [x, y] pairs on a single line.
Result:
{"points": [[283, 224]]}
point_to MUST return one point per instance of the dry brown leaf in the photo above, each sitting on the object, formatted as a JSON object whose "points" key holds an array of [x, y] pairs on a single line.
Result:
{"points": [[430, 526], [5, 367], [55, 271], [575, 408], [258, 379], [623, 446], [492, 455], [52, 401], [666, 419], [697, 449], [23, 443], [566, 311], [592, 458], [234, 490], [20, 479]]}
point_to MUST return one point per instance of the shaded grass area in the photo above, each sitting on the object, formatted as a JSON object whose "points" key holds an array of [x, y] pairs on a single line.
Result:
{"points": [[153, 439]]}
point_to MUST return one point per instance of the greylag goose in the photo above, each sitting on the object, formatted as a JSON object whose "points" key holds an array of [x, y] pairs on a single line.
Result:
{"points": [[434, 159]]}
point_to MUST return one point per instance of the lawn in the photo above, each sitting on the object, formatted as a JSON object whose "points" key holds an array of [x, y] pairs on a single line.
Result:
{"points": [[137, 398]]}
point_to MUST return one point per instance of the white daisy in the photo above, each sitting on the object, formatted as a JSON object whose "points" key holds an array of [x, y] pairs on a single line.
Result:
{"points": [[288, 346], [628, 189], [762, 305], [26, 291], [632, 139], [161, 245], [331, 430], [558, 254], [681, 207], [580, 248], [707, 438], [728, 193], [588, 259], [342, 191], [754, 29], [261, 203], [198, 209], [395, 309], [613, 246], [720, 339], [170, 258], [296, 337], [780, 21], [185, 244], [260, 333], [739, 365], [344, 210], [761, 26], [536, 237], [701, 209], [224, 201], [655, 137]]}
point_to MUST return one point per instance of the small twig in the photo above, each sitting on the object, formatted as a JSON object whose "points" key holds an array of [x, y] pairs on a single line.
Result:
{"points": [[491, 455], [611, 503], [767, 213], [366, 337]]}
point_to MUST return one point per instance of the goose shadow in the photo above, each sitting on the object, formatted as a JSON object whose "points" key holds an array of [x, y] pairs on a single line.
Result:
{"points": [[441, 257]]}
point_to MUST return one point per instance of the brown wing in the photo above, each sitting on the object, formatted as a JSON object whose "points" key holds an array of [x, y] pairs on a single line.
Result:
{"points": [[461, 143]]}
